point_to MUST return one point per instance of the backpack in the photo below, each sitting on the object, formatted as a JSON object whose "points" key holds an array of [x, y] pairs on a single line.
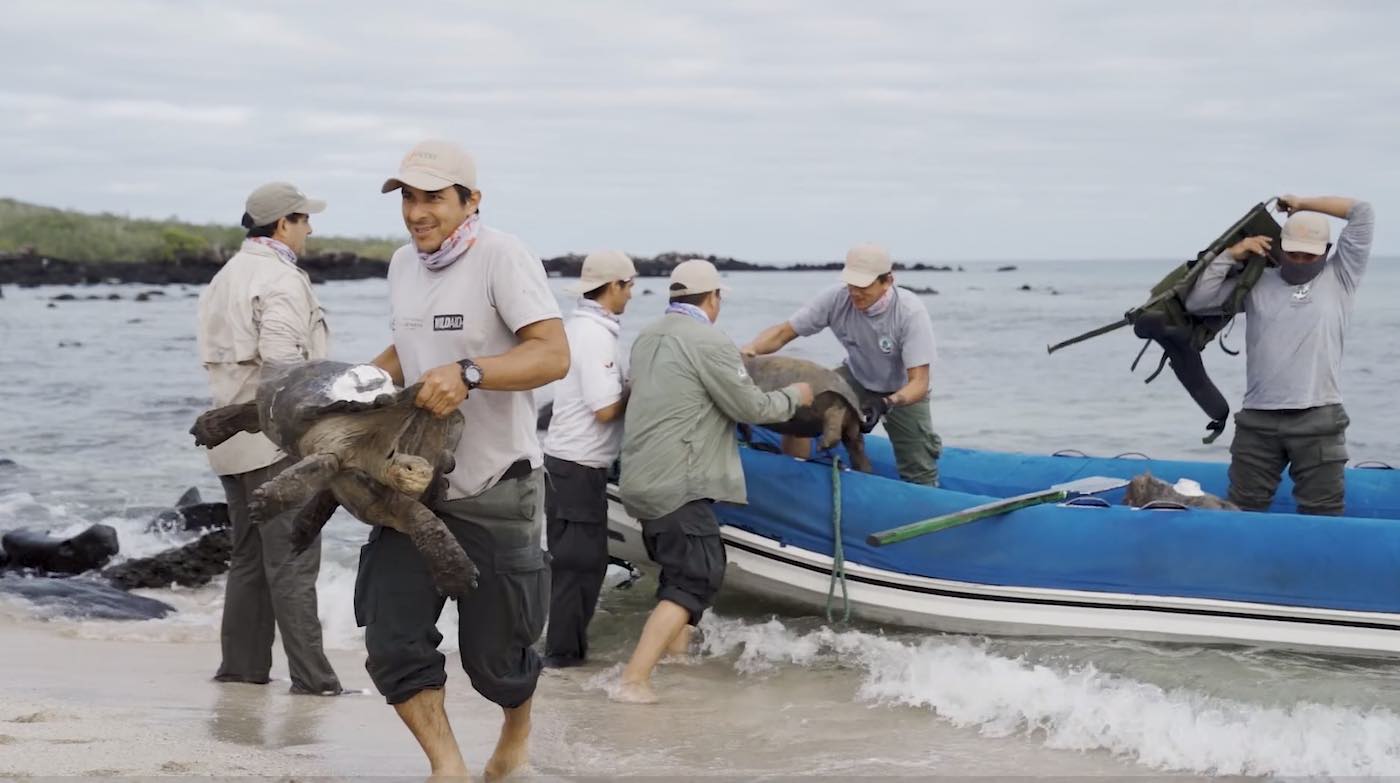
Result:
{"points": [[1164, 320]]}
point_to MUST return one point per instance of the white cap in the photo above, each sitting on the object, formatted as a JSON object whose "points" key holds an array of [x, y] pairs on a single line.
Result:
{"points": [[864, 263], [696, 276], [602, 267], [1306, 232], [434, 165]]}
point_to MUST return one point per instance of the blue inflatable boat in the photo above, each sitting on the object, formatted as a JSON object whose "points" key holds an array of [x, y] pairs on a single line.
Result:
{"points": [[1082, 567]]}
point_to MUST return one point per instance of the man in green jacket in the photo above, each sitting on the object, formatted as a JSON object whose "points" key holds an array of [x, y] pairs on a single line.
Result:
{"points": [[680, 454]]}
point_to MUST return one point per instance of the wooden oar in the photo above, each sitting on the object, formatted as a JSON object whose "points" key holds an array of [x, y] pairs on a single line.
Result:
{"points": [[1090, 485]]}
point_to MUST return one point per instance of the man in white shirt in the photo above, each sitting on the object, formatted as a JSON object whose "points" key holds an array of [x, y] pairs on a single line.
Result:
{"points": [[584, 438], [260, 309], [475, 323]]}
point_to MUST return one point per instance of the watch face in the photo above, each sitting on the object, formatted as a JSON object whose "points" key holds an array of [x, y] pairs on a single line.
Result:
{"points": [[472, 374]]}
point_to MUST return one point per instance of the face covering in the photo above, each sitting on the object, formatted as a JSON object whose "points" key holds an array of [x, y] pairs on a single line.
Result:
{"points": [[589, 306], [283, 252], [881, 305], [1298, 274], [689, 310], [455, 246]]}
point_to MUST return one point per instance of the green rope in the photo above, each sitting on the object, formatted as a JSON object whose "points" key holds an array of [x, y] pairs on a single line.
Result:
{"points": [[838, 555]]}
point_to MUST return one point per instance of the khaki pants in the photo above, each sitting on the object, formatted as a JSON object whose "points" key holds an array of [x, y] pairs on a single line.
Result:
{"points": [[910, 427], [267, 587], [1311, 442]]}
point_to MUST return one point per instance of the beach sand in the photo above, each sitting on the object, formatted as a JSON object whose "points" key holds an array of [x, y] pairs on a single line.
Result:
{"points": [[73, 705]]}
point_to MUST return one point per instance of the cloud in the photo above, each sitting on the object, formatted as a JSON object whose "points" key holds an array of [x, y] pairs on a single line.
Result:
{"points": [[774, 130]]}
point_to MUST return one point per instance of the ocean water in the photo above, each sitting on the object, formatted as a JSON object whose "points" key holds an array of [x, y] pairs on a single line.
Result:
{"points": [[96, 398]]}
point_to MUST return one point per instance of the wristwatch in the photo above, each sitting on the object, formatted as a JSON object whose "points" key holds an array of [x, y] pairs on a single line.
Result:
{"points": [[471, 373]]}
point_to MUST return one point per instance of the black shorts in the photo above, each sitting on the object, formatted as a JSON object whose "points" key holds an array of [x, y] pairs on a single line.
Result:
{"points": [[498, 622], [687, 545], [577, 493]]}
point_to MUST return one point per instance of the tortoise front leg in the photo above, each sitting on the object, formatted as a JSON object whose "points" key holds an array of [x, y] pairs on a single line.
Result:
{"points": [[854, 442], [214, 427], [292, 486], [833, 424], [312, 517], [451, 570]]}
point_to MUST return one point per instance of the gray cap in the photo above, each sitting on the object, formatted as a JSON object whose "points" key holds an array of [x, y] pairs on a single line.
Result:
{"points": [[277, 200]]}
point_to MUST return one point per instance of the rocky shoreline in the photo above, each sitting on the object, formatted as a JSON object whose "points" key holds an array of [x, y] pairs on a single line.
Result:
{"points": [[31, 269], [34, 270]]}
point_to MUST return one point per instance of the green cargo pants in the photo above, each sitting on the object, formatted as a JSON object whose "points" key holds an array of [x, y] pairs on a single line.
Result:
{"points": [[1311, 442], [910, 427]]}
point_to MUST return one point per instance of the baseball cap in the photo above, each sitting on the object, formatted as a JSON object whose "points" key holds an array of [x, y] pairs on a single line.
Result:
{"points": [[433, 165], [1306, 232], [602, 267], [277, 200], [696, 276], [864, 263]]}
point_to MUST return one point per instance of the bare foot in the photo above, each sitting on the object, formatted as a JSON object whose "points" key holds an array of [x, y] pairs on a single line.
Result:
{"points": [[502, 766], [634, 693], [512, 751], [451, 773]]}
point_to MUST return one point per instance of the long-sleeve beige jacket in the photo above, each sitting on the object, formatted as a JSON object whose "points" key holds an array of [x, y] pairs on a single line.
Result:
{"points": [[258, 309]]}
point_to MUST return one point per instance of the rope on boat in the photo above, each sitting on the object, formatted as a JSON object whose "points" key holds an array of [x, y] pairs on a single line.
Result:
{"points": [[838, 554]]}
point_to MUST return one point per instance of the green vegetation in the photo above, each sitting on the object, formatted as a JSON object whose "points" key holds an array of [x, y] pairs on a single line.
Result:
{"points": [[78, 236]]}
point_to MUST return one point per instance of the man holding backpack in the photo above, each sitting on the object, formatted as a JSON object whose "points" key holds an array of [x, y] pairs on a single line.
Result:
{"points": [[1297, 314]]}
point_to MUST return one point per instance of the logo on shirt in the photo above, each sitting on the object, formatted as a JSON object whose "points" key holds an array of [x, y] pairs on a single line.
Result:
{"points": [[886, 344], [1302, 293], [448, 323]]}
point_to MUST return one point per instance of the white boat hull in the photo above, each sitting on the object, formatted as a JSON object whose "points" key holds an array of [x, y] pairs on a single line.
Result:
{"points": [[763, 567]]}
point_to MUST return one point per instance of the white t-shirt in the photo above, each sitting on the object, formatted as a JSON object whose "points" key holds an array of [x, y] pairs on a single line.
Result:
{"points": [[471, 309], [595, 380]]}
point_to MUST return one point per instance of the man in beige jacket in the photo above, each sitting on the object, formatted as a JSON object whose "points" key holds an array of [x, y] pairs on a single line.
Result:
{"points": [[260, 309]]}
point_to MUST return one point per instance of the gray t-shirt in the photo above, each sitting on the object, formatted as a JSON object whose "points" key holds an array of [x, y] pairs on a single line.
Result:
{"points": [[473, 308], [1294, 333], [881, 349]]}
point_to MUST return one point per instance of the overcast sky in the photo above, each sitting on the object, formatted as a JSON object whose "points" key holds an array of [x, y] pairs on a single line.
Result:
{"points": [[764, 130]]}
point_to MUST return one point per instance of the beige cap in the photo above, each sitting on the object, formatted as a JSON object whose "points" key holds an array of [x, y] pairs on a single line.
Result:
{"points": [[277, 200], [1306, 232], [602, 267], [864, 263], [696, 276], [433, 165]]}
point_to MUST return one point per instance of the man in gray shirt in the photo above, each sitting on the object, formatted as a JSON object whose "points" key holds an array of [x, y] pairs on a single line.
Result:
{"points": [[889, 352], [474, 323], [1296, 320]]}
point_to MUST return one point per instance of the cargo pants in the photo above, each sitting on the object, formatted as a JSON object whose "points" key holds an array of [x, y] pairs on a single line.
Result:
{"points": [[1311, 442]]}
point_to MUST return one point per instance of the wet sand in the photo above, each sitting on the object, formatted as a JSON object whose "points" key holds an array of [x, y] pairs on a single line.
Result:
{"points": [[101, 707], [76, 706]]}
